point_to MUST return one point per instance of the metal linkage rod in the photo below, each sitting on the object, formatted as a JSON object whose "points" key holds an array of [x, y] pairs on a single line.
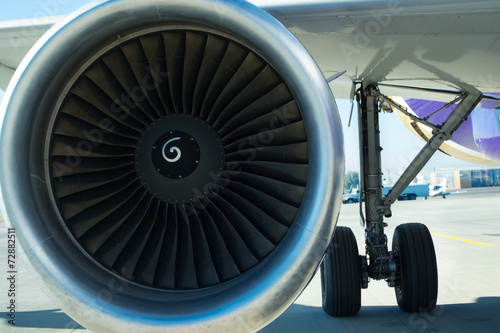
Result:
{"points": [[450, 125], [413, 117]]}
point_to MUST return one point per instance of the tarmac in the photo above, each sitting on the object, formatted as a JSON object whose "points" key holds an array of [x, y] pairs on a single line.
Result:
{"points": [[466, 233]]}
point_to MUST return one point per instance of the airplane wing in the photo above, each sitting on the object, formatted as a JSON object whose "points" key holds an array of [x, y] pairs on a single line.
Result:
{"points": [[416, 44], [448, 45], [16, 39]]}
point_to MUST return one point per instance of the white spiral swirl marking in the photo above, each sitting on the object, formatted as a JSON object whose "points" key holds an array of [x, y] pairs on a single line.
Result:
{"points": [[173, 149]]}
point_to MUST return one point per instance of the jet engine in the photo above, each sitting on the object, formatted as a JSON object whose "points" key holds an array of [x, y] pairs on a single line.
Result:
{"points": [[171, 165]]}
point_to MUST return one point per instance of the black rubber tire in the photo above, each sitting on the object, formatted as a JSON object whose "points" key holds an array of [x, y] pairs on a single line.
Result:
{"points": [[417, 276], [341, 276], [350, 201]]}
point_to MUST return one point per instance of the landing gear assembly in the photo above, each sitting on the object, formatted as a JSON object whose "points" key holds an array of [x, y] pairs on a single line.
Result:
{"points": [[410, 268]]}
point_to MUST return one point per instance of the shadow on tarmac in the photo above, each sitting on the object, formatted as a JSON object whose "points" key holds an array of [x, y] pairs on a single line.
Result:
{"points": [[478, 317], [481, 316], [51, 319]]}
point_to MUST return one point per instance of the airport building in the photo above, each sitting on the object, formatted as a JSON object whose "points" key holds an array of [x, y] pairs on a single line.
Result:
{"points": [[455, 178], [467, 178]]}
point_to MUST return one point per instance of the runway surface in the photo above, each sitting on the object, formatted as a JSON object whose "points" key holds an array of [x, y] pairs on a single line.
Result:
{"points": [[466, 233]]}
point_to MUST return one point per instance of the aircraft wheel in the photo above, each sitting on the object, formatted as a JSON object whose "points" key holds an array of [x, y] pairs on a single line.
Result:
{"points": [[341, 276], [417, 278]]}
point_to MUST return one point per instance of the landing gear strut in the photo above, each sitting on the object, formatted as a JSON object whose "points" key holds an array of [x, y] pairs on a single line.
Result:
{"points": [[411, 265]]}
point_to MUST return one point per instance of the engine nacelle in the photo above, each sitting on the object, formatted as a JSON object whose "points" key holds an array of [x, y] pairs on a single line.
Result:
{"points": [[171, 165]]}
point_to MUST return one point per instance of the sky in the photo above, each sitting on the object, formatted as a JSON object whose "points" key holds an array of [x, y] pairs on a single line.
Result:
{"points": [[400, 145], [30, 9]]}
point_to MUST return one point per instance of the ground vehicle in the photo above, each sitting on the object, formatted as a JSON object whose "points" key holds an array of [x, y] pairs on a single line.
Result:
{"points": [[351, 197], [411, 192]]}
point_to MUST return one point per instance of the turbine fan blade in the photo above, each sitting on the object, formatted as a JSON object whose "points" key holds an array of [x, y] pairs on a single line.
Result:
{"points": [[179, 243]]}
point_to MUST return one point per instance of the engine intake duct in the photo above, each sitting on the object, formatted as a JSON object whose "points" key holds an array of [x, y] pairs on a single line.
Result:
{"points": [[134, 219]]}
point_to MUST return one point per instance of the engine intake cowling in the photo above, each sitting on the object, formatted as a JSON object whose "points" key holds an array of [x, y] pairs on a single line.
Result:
{"points": [[171, 165]]}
